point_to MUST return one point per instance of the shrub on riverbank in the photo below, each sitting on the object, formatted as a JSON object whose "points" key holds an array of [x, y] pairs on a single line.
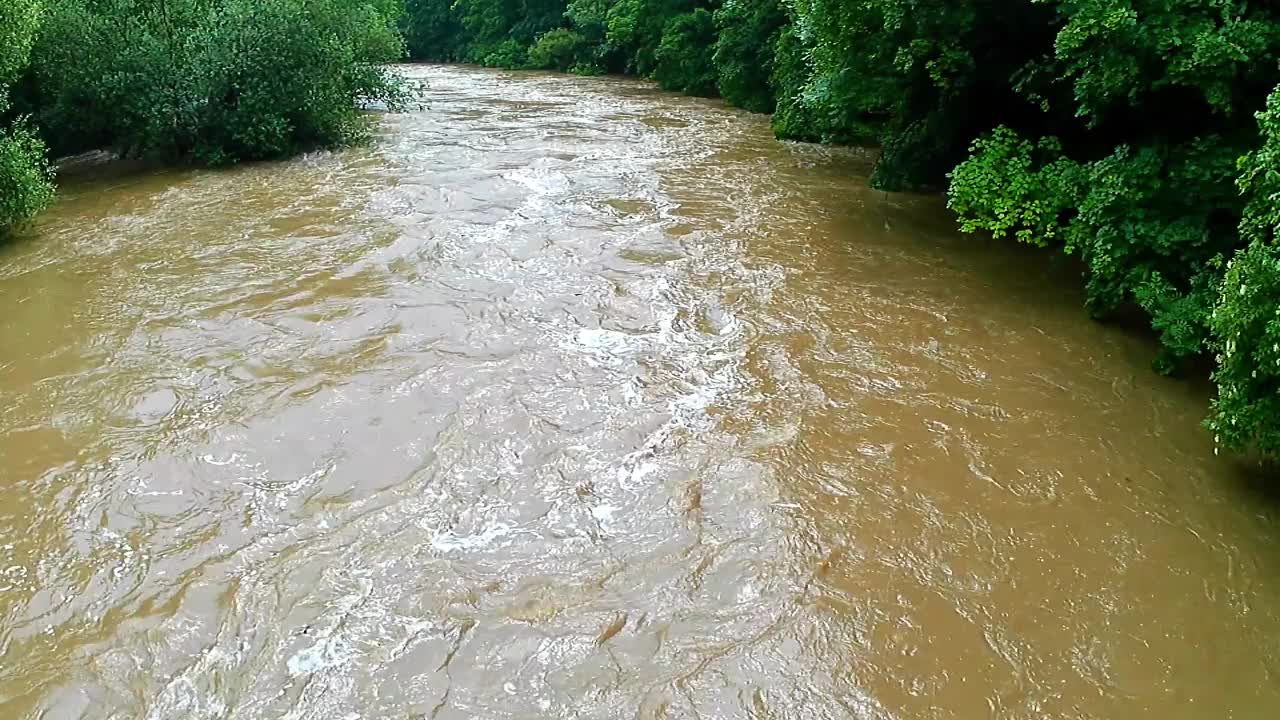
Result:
{"points": [[213, 81], [559, 49], [745, 44], [1245, 315], [683, 60], [25, 179], [432, 31], [1246, 326]]}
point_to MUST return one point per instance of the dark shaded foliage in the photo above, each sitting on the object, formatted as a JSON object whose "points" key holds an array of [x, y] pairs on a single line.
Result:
{"points": [[745, 45], [432, 31], [684, 57]]}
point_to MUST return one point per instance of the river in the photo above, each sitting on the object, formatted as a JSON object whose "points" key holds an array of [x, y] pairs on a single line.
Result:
{"points": [[568, 398]]}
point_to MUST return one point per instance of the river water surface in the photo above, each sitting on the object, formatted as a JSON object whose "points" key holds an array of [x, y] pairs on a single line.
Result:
{"points": [[567, 398]]}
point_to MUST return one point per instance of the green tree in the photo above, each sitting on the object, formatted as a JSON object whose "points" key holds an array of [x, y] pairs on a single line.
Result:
{"points": [[636, 28], [432, 30], [684, 57], [26, 182], [560, 49], [500, 32], [212, 80], [745, 44], [589, 18], [1245, 319]]}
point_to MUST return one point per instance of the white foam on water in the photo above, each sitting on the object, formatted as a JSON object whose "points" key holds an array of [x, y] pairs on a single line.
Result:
{"points": [[449, 541]]}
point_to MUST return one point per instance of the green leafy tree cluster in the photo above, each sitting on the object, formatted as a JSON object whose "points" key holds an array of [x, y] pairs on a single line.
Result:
{"points": [[26, 182], [500, 32], [1245, 317], [560, 49], [920, 78], [433, 31], [590, 19], [509, 54], [673, 41], [486, 24], [745, 51], [215, 81], [683, 61]]}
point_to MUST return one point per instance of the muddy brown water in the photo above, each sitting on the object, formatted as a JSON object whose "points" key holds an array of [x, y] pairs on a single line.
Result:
{"points": [[568, 398]]}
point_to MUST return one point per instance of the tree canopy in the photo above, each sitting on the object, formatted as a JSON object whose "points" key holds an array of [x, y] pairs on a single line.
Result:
{"points": [[207, 81], [26, 183]]}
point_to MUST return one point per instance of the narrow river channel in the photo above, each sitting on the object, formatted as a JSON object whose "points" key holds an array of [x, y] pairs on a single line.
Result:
{"points": [[567, 398]]}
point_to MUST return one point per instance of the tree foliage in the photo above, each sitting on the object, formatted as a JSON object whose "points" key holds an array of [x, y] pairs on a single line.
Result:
{"points": [[1245, 318], [684, 57], [582, 36], [432, 30], [560, 49], [26, 182], [211, 80], [744, 54], [19, 21]]}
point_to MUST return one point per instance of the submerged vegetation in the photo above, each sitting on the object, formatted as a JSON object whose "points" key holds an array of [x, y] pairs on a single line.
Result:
{"points": [[1140, 136]]}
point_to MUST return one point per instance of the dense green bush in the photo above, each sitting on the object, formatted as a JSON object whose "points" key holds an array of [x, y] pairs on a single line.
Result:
{"points": [[509, 54], [581, 36], [211, 80], [536, 17], [499, 33], [684, 57], [1245, 320], [1125, 215], [485, 24], [559, 49], [26, 182], [1016, 188], [19, 21], [432, 31], [748, 32], [1246, 327], [792, 69], [636, 28], [590, 19], [25, 179], [274, 77]]}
